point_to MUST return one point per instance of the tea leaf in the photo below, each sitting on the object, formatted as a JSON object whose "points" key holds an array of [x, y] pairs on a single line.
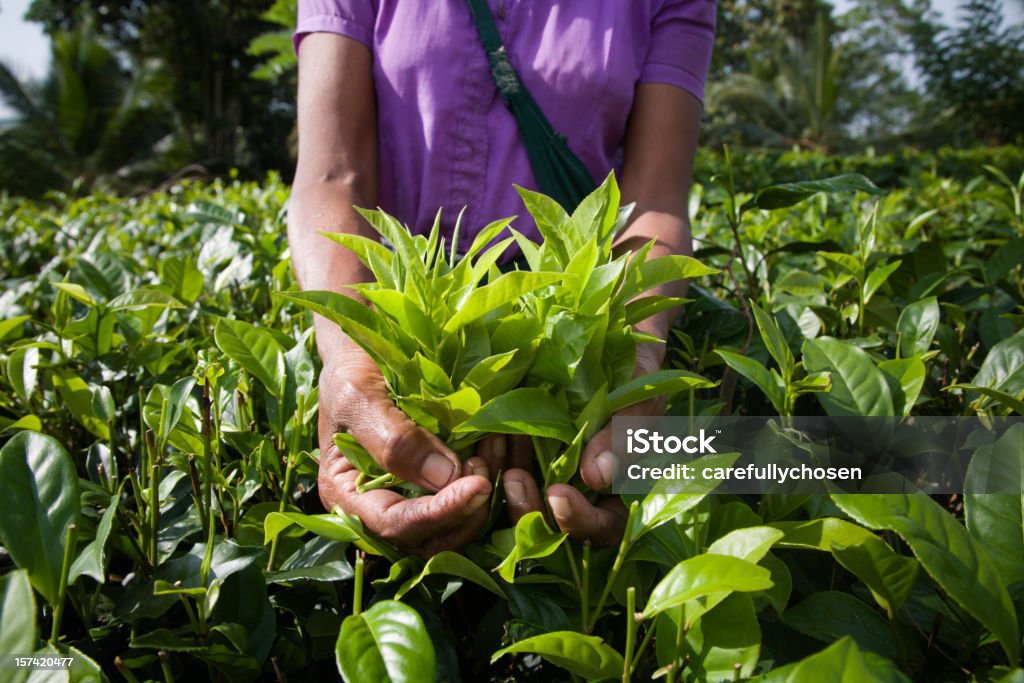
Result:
{"points": [[386, 643], [504, 290], [660, 383], [530, 411], [702, 576], [586, 656], [858, 387], [787, 194], [254, 349], [948, 553], [39, 487], [17, 618]]}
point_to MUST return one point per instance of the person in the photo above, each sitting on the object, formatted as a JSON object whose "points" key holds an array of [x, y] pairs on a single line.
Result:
{"points": [[397, 108]]}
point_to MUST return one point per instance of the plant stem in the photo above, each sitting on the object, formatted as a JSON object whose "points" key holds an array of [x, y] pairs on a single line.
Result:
{"points": [[65, 569], [631, 627], [207, 451], [197, 495], [165, 666], [643, 647], [289, 469], [357, 588], [616, 566], [680, 634], [125, 671], [154, 511], [189, 612], [585, 593], [576, 580]]}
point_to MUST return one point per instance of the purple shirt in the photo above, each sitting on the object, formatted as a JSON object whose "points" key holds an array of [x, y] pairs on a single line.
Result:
{"points": [[446, 138]]}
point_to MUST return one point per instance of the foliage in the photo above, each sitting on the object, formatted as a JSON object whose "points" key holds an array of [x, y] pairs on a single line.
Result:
{"points": [[974, 73], [886, 72], [157, 395], [276, 46], [224, 117], [88, 123], [547, 352]]}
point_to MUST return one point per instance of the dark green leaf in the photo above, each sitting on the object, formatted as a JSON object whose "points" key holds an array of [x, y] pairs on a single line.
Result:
{"points": [[788, 194], [586, 656], [858, 387], [18, 633], [255, 349], [386, 643], [92, 561], [996, 520], [829, 615], [917, 326], [39, 487], [841, 662], [948, 553]]}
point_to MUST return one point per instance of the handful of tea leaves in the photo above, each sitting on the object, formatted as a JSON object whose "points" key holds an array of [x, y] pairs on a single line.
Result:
{"points": [[468, 351]]}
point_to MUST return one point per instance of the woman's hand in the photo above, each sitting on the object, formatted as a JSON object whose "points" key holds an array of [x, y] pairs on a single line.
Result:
{"points": [[603, 523], [354, 398]]}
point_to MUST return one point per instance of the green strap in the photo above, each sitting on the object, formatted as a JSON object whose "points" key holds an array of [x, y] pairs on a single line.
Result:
{"points": [[559, 173]]}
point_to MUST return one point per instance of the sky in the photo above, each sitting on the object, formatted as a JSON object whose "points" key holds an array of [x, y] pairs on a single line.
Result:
{"points": [[24, 46]]}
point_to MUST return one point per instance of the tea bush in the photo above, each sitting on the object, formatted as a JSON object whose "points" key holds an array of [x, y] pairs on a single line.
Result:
{"points": [[158, 467]]}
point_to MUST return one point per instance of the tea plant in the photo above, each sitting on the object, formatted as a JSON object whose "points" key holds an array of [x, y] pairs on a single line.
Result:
{"points": [[160, 519], [547, 352]]}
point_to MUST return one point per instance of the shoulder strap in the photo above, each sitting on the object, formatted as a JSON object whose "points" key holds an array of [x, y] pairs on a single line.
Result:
{"points": [[558, 171]]}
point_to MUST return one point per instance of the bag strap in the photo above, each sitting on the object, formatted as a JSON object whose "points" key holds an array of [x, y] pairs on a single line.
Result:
{"points": [[558, 171]]}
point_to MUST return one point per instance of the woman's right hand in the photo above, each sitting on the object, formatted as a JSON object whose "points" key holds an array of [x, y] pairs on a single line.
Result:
{"points": [[354, 398]]}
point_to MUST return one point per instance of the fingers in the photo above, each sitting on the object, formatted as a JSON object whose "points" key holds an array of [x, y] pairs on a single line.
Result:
{"points": [[363, 407], [521, 493], [492, 451], [447, 520], [520, 452], [599, 462], [477, 466], [602, 524]]}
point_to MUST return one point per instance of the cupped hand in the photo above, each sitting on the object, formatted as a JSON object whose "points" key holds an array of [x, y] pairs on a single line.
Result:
{"points": [[354, 398], [604, 522]]}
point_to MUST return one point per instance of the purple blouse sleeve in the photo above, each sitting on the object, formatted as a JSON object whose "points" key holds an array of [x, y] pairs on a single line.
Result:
{"points": [[682, 37], [352, 18]]}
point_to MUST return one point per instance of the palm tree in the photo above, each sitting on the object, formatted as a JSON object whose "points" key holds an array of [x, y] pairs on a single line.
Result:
{"points": [[87, 122], [799, 104]]}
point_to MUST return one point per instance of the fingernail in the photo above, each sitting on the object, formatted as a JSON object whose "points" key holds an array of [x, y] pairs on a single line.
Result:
{"points": [[477, 501], [606, 464], [515, 492], [498, 448], [561, 507], [437, 470]]}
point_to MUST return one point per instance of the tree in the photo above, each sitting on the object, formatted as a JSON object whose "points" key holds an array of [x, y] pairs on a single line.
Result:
{"points": [[227, 118], [974, 73], [87, 122], [798, 104], [826, 82]]}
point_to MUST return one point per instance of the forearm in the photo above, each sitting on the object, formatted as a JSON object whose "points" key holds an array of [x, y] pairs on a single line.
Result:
{"points": [[320, 263], [336, 170], [671, 234]]}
